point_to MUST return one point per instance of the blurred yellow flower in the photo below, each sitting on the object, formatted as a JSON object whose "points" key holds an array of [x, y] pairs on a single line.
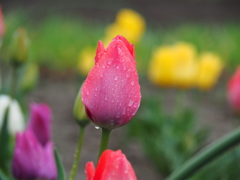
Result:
{"points": [[86, 60], [185, 67], [210, 68], [173, 66], [129, 24], [162, 66]]}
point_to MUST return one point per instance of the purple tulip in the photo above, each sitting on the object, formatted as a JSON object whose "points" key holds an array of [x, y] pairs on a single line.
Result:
{"points": [[40, 122], [33, 156]]}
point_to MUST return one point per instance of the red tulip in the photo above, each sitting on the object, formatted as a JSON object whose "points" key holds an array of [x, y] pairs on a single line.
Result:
{"points": [[111, 92], [111, 165], [234, 91], [2, 26]]}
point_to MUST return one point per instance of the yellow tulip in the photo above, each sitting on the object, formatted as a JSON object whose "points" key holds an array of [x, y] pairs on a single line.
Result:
{"points": [[210, 68], [86, 60], [185, 68], [129, 24], [162, 66]]}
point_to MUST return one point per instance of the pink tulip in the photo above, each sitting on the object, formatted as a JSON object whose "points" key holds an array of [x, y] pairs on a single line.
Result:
{"points": [[2, 26], [31, 160], [111, 165], [111, 92], [40, 122], [234, 91], [33, 156]]}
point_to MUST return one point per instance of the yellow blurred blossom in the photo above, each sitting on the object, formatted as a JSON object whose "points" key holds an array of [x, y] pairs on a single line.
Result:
{"points": [[86, 60], [177, 66], [210, 67], [185, 67], [161, 70], [129, 24]]}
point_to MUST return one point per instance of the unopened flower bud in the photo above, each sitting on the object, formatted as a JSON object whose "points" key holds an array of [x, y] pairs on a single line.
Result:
{"points": [[20, 47], [79, 111], [29, 78]]}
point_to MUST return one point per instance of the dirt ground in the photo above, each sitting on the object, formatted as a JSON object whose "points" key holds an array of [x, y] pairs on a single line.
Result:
{"points": [[60, 95]]}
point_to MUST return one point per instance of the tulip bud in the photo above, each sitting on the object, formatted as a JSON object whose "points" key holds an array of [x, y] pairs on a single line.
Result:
{"points": [[29, 78], [111, 92], [2, 26], [40, 122], [20, 47], [31, 160], [79, 111], [233, 91], [111, 165]]}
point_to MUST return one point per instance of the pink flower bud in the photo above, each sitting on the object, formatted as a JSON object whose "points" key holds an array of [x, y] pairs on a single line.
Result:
{"points": [[2, 26], [111, 92], [31, 160], [40, 122], [111, 165], [234, 91]]}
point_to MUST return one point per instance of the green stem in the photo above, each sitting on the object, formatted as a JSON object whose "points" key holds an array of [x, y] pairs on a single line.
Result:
{"points": [[207, 155], [104, 141], [77, 154], [13, 82]]}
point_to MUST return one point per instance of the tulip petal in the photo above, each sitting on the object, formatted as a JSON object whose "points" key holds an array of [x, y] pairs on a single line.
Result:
{"points": [[100, 51], [111, 92], [114, 165], [27, 156], [40, 122], [90, 171]]}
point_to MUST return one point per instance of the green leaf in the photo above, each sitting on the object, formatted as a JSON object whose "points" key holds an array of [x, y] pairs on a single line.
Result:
{"points": [[60, 168], [2, 176], [5, 154]]}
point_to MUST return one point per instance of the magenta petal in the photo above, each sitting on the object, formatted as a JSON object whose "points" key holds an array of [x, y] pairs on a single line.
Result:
{"points": [[27, 156], [40, 122], [111, 92], [48, 168]]}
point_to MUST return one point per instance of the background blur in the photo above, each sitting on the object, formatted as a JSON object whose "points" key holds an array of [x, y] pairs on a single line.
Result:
{"points": [[177, 118]]}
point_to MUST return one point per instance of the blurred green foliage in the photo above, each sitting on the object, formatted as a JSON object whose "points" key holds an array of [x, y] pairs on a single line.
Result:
{"points": [[168, 139], [58, 40]]}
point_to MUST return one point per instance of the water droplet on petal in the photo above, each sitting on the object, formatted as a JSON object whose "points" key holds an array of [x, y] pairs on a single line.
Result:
{"points": [[135, 105], [132, 83], [116, 78], [128, 75], [130, 103], [118, 115], [117, 67]]}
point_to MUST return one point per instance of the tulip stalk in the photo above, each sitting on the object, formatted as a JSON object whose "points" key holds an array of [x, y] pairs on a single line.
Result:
{"points": [[206, 156], [77, 153], [104, 141]]}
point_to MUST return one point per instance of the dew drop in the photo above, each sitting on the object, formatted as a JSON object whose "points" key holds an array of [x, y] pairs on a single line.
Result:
{"points": [[130, 103], [117, 67], [118, 115], [101, 75], [87, 93], [116, 78], [97, 127], [135, 105], [124, 68], [128, 75], [103, 66], [96, 89], [132, 83], [109, 62], [106, 98], [112, 122]]}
